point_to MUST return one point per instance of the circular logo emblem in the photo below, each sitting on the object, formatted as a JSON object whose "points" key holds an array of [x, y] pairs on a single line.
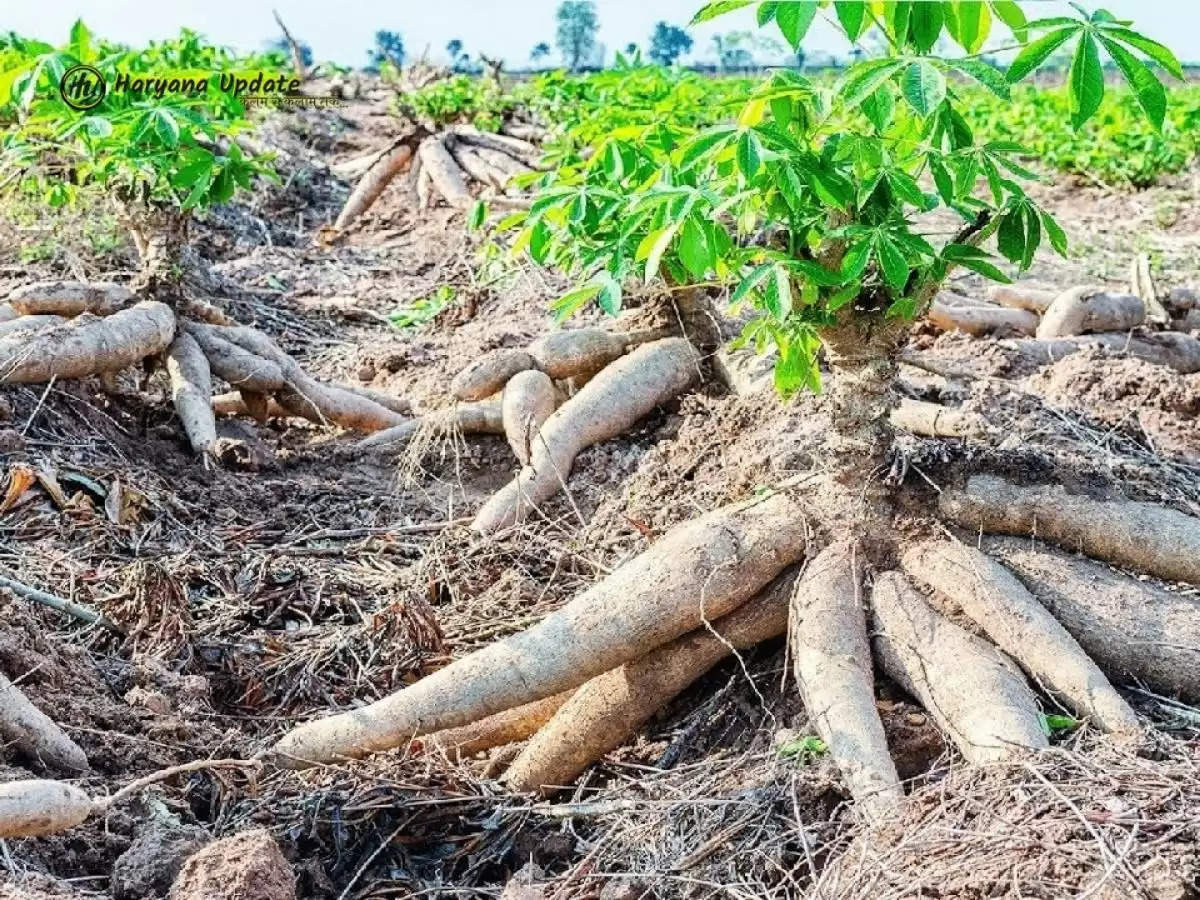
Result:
{"points": [[82, 87]]}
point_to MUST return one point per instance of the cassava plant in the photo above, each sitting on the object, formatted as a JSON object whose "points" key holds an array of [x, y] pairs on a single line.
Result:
{"points": [[159, 155], [809, 205]]}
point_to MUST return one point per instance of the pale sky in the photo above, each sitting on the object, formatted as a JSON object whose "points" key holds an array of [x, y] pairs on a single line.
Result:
{"points": [[342, 30]]}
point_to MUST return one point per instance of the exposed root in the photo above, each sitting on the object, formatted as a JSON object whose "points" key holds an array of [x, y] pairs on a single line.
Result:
{"points": [[385, 167], [935, 420], [1144, 537], [496, 730], [513, 147], [244, 370], [34, 733], [1027, 295], [444, 172], [30, 323], [69, 298], [832, 661], [488, 374], [1133, 628], [484, 417], [191, 391], [606, 406], [979, 319], [699, 571], [37, 806], [1021, 627], [88, 345], [528, 401], [578, 351], [1142, 285], [604, 712], [974, 692], [1080, 310], [296, 391], [1168, 348]]}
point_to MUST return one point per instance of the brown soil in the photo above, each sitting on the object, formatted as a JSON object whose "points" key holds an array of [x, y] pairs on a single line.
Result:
{"points": [[253, 600]]}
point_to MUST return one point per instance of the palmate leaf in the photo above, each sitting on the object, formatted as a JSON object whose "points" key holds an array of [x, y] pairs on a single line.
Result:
{"points": [[925, 25], [924, 86], [1150, 93], [1151, 48], [1008, 12], [718, 8], [1039, 51], [852, 14], [794, 18], [1085, 81]]}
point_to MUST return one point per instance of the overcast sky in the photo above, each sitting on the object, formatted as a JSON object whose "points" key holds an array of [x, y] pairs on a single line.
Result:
{"points": [[342, 30]]}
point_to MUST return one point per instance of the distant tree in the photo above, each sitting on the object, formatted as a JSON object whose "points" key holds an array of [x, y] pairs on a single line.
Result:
{"points": [[459, 61], [576, 36], [389, 47], [281, 44], [539, 52], [631, 48], [735, 50], [801, 58], [668, 43]]}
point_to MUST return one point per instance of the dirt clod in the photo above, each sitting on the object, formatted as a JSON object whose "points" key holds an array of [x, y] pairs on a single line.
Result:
{"points": [[247, 866], [152, 862]]}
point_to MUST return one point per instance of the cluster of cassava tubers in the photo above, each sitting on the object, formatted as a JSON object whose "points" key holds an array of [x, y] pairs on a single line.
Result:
{"points": [[63, 329], [551, 400], [442, 165], [1044, 324], [966, 631]]}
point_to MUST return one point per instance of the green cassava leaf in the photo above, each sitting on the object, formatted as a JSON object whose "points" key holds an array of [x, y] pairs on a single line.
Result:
{"points": [[794, 18], [852, 14], [925, 25], [1150, 93], [718, 8], [924, 86], [1038, 52], [1085, 81]]}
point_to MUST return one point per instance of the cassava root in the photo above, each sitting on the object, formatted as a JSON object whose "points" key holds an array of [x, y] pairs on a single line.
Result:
{"points": [[832, 663], [697, 572], [604, 712], [975, 693], [1141, 536], [1020, 626], [34, 733], [606, 406]]}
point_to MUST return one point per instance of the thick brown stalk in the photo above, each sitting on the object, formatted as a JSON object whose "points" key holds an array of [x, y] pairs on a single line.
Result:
{"points": [[974, 692], [1020, 626], [88, 345], [603, 713], [191, 391], [698, 571], [606, 406], [832, 662], [1134, 629], [1144, 537]]}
